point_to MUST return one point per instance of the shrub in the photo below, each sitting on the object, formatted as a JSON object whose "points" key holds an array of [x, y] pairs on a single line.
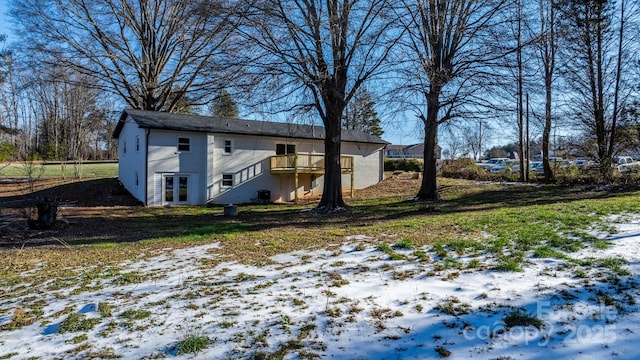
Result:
{"points": [[7, 151], [465, 169], [415, 165]]}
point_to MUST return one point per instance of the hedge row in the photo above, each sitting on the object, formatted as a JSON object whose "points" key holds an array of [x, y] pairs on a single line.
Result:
{"points": [[416, 165]]}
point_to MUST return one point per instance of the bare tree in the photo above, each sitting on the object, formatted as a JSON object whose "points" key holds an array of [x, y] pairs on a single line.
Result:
{"points": [[140, 50], [597, 53], [322, 50], [454, 142], [448, 57], [472, 135]]}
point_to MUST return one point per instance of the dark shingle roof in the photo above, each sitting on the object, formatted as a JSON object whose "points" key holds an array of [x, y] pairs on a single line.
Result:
{"points": [[181, 122]]}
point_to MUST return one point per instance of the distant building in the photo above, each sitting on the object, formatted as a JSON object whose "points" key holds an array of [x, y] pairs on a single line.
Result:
{"points": [[415, 151]]}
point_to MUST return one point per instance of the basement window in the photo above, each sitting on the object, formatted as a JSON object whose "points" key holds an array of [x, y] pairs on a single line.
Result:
{"points": [[227, 180]]}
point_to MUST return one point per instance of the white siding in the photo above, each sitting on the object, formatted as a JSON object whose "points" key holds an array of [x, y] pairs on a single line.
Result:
{"points": [[133, 160], [250, 165], [368, 167], [164, 159]]}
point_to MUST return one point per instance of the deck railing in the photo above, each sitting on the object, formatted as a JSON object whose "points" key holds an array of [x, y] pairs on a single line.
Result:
{"points": [[300, 162]]}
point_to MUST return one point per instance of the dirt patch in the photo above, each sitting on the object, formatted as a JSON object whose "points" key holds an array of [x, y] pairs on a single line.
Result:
{"points": [[397, 184], [69, 192], [82, 202]]}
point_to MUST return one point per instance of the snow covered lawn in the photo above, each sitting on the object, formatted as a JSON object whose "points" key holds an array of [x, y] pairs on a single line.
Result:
{"points": [[364, 301]]}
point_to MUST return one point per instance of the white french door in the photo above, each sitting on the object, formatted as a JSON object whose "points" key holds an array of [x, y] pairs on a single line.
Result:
{"points": [[175, 189]]}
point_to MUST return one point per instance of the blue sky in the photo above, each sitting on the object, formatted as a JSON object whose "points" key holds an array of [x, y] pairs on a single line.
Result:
{"points": [[4, 23]]}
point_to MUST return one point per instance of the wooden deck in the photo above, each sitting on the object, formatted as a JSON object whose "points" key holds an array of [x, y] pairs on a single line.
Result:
{"points": [[301, 163]]}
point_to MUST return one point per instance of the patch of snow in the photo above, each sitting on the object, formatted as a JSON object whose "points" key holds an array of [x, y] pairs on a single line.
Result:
{"points": [[349, 305]]}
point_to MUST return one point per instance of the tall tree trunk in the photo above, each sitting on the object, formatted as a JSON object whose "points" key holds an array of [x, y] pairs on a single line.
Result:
{"points": [[597, 94], [332, 200], [546, 132], [429, 188], [549, 61]]}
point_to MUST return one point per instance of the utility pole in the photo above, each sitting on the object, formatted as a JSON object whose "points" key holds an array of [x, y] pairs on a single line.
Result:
{"points": [[480, 142]]}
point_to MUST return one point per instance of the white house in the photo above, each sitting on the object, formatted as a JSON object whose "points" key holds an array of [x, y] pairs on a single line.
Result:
{"points": [[171, 159]]}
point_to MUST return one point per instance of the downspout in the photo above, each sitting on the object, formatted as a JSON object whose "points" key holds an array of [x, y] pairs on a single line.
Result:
{"points": [[382, 152], [146, 167]]}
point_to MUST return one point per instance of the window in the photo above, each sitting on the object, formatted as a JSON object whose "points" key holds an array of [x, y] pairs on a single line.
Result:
{"points": [[283, 149], [137, 143], [228, 147], [183, 144], [227, 180], [137, 179], [124, 147]]}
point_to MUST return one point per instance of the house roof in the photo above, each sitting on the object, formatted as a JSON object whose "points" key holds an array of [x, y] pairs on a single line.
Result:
{"points": [[210, 124], [414, 148]]}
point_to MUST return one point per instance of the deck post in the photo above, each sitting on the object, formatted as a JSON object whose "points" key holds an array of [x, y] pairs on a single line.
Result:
{"points": [[295, 175], [353, 194]]}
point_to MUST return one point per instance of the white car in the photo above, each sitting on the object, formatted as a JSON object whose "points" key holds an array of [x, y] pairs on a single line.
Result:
{"points": [[626, 164]]}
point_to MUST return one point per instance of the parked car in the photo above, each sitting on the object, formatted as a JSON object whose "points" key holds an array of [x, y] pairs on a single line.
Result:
{"points": [[505, 167], [623, 160], [537, 167], [511, 166], [583, 163], [626, 164], [494, 162], [557, 163]]}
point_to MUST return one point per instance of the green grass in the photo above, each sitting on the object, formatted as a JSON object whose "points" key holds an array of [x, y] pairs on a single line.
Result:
{"points": [[472, 220], [405, 244], [453, 306], [17, 169], [134, 314], [521, 318], [104, 309], [77, 322], [548, 252], [509, 264], [193, 344], [129, 278]]}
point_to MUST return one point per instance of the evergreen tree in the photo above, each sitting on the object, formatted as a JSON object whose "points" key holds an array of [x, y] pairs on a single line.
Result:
{"points": [[224, 106], [360, 114], [181, 101]]}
